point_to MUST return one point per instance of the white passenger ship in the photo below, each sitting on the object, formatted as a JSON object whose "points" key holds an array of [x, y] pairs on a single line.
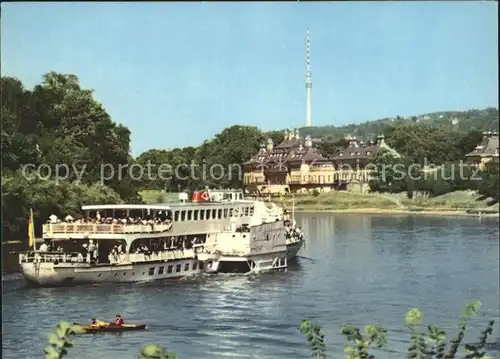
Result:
{"points": [[217, 232]]}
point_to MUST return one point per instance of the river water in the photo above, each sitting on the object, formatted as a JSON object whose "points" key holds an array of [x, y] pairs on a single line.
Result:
{"points": [[355, 268]]}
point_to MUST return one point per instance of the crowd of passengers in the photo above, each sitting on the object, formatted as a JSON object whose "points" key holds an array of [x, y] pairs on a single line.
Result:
{"points": [[292, 230], [88, 252], [155, 247], [162, 218]]}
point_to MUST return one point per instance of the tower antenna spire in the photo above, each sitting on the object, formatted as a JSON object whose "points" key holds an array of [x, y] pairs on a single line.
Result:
{"points": [[308, 80]]}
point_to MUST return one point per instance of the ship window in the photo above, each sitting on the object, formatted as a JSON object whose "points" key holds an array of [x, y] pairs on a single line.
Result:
{"points": [[176, 216], [208, 214], [195, 217], [160, 270], [186, 267], [183, 215], [152, 271], [190, 215], [195, 265], [214, 214], [251, 211], [202, 214], [201, 265], [178, 268], [219, 214], [169, 269]]}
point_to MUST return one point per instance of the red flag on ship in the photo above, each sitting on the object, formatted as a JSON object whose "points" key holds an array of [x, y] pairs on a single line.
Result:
{"points": [[200, 196]]}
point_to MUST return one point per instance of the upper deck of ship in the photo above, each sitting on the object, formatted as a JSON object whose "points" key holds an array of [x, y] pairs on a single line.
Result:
{"points": [[218, 206]]}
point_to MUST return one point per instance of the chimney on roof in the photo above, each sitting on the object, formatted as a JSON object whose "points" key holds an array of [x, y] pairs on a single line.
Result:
{"points": [[380, 139], [308, 141]]}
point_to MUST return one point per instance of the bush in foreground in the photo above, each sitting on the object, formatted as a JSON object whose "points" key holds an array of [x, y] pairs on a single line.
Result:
{"points": [[431, 344]]}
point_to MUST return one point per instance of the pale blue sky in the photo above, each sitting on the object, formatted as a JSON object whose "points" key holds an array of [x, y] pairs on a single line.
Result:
{"points": [[178, 73]]}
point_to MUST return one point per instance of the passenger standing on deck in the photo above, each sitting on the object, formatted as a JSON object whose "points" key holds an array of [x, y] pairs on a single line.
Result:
{"points": [[44, 247], [84, 252], [91, 253]]}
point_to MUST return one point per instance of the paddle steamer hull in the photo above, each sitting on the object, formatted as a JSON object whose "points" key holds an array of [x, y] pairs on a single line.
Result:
{"points": [[65, 274]]}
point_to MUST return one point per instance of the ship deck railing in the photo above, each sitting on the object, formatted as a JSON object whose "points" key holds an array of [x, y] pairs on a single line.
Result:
{"points": [[164, 255], [97, 228], [50, 257]]}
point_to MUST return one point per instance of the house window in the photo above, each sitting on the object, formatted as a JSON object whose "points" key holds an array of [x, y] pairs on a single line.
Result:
{"points": [[160, 270], [201, 265], [195, 265], [169, 269], [214, 214], [202, 214], [186, 267], [208, 214], [195, 215], [220, 214], [190, 215], [251, 211], [178, 268], [183, 215], [152, 271], [176, 216]]}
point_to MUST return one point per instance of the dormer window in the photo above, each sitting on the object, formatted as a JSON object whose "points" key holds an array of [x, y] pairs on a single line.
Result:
{"points": [[368, 153], [357, 153]]}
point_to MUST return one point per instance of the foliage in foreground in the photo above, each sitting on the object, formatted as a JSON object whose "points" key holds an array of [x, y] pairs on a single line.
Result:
{"points": [[423, 345]]}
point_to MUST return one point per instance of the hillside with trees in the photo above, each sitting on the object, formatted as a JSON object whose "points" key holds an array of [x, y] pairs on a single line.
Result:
{"points": [[60, 123], [450, 121]]}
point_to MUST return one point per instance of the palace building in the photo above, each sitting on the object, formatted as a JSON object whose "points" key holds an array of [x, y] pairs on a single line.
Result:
{"points": [[296, 164]]}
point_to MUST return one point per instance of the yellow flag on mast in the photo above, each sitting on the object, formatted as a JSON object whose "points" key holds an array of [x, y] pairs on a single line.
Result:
{"points": [[31, 231]]}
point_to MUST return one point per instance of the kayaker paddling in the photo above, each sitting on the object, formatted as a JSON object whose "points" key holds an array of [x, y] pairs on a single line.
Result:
{"points": [[98, 323]]}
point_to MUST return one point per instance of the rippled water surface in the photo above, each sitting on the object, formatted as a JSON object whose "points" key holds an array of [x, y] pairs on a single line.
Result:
{"points": [[354, 268]]}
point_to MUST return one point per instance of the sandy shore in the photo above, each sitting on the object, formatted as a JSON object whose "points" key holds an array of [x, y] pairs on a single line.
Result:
{"points": [[437, 212]]}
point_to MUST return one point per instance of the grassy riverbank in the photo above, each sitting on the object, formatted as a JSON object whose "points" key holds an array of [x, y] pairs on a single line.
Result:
{"points": [[453, 203]]}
